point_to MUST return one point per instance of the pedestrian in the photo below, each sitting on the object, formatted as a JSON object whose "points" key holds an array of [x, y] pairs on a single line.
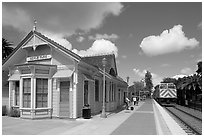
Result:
{"points": [[134, 100], [137, 100], [127, 103]]}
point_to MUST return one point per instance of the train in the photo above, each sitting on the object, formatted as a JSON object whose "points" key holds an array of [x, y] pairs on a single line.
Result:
{"points": [[165, 94]]}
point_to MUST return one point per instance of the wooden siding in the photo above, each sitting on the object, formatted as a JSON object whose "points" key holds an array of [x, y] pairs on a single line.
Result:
{"points": [[80, 94], [59, 58], [55, 97]]}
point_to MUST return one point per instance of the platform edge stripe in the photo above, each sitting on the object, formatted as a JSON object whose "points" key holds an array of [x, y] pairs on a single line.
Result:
{"points": [[171, 123], [158, 126]]}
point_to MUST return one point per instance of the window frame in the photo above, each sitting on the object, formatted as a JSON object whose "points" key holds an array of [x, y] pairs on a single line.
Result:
{"points": [[43, 95], [27, 94], [86, 100], [17, 94]]}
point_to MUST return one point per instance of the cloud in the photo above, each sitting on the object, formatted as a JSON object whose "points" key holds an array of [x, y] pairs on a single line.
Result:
{"points": [[112, 37], [156, 79], [170, 41], [140, 73], [59, 38], [80, 39], [98, 47], [59, 17], [16, 18], [187, 71]]}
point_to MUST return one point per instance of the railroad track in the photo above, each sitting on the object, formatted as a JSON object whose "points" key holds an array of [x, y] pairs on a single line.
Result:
{"points": [[192, 124]]}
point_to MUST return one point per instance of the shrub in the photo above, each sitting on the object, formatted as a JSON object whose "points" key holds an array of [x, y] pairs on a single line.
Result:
{"points": [[14, 112]]}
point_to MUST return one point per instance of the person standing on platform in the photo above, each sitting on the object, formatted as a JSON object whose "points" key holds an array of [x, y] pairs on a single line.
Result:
{"points": [[134, 100]]}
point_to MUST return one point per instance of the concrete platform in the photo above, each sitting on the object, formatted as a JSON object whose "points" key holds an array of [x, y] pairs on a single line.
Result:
{"points": [[148, 118]]}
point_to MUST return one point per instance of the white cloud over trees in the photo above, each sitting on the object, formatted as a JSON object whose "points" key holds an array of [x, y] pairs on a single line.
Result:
{"points": [[156, 79], [99, 47], [169, 41]]}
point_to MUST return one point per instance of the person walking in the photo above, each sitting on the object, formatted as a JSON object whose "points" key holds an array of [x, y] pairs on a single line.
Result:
{"points": [[137, 100], [127, 103]]}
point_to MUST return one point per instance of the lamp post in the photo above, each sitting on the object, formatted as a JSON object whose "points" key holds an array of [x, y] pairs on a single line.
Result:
{"points": [[128, 94], [103, 114]]}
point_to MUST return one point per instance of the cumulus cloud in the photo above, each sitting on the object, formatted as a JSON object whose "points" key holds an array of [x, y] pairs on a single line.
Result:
{"points": [[187, 71], [112, 37], [59, 17], [59, 38], [140, 73], [170, 41], [98, 47], [156, 79]]}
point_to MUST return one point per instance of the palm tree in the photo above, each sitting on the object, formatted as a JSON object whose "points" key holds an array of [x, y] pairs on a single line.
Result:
{"points": [[6, 48]]}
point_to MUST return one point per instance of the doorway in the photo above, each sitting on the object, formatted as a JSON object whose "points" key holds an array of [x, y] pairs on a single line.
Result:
{"points": [[64, 99]]}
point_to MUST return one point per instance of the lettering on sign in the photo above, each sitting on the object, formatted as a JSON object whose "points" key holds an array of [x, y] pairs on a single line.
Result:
{"points": [[40, 57]]}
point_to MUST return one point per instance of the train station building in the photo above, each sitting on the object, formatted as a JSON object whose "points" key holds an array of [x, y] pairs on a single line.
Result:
{"points": [[43, 79]]}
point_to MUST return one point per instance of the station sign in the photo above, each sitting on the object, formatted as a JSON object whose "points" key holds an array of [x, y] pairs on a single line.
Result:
{"points": [[40, 57]]}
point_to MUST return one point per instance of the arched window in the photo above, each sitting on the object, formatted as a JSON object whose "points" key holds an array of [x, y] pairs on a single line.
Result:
{"points": [[112, 72]]}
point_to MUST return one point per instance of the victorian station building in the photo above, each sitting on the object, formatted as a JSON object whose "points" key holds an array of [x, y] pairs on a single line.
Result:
{"points": [[43, 79]]}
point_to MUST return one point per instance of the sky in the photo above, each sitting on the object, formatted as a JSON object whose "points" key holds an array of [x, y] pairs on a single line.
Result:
{"points": [[160, 37]]}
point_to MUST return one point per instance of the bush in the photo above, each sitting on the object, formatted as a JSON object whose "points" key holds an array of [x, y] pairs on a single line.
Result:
{"points": [[14, 112], [4, 112]]}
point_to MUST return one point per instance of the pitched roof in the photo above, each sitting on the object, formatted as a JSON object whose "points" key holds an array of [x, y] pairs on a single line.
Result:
{"points": [[58, 45], [97, 61], [46, 39]]}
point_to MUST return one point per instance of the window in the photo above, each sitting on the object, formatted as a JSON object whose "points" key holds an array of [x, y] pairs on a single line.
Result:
{"points": [[163, 86], [86, 85], [26, 92], [96, 90], [171, 85], [16, 93], [41, 92]]}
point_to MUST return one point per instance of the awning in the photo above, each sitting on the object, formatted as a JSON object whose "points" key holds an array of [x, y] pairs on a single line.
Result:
{"points": [[14, 77], [63, 73], [88, 77]]}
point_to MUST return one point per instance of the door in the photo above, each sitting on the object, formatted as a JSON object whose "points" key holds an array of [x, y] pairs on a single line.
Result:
{"points": [[64, 99]]}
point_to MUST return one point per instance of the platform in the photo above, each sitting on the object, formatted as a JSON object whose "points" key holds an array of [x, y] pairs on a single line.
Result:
{"points": [[148, 118]]}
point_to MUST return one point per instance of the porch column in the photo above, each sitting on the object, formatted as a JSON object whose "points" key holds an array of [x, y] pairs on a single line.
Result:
{"points": [[32, 98], [10, 93], [50, 97], [21, 96], [74, 92]]}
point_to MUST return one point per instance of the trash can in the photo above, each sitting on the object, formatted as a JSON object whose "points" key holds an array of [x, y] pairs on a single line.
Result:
{"points": [[132, 108], [86, 113]]}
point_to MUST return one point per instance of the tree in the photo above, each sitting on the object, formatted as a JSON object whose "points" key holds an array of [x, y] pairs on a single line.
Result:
{"points": [[6, 48], [138, 86], [199, 71], [169, 80], [148, 81]]}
